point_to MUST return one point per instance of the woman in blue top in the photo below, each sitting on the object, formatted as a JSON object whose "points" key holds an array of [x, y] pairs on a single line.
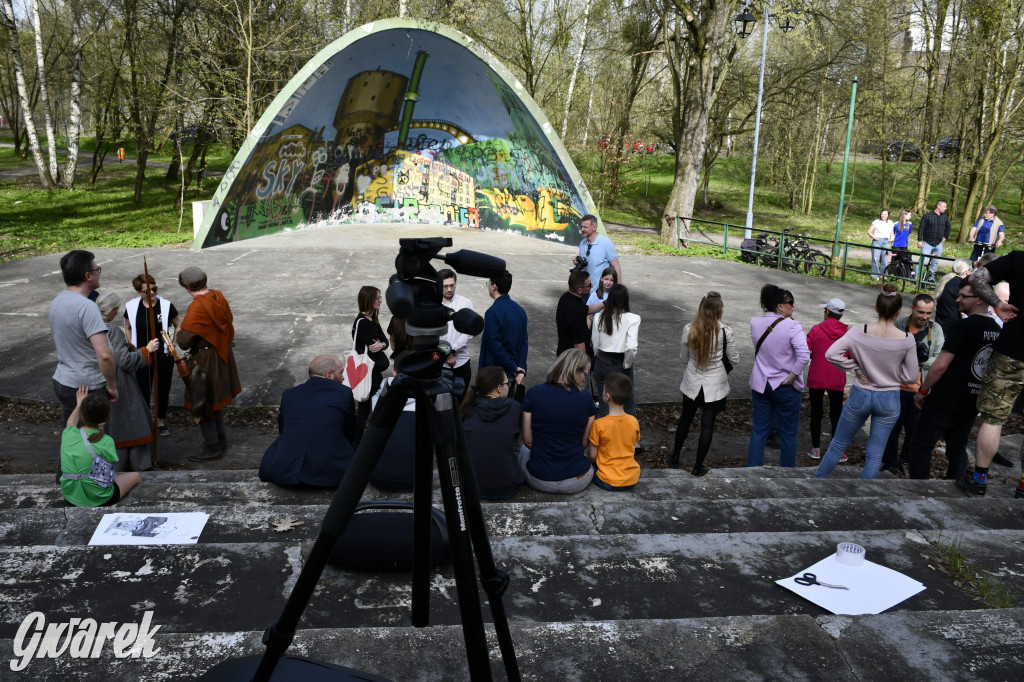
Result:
{"points": [[902, 230], [557, 416]]}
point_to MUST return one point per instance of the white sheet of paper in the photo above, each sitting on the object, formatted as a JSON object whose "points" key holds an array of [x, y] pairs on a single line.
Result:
{"points": [[873, 588], [179, 528]]}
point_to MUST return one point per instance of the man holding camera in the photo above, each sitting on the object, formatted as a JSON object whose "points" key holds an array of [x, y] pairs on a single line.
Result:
{"points": [[571, 315], [929, 339], [596, 251]]}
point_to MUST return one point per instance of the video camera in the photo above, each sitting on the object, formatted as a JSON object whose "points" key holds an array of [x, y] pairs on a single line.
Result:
{"points": [[414, 293]]}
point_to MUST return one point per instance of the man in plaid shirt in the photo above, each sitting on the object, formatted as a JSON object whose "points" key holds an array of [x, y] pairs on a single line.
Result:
{"points": [[932, 233]]}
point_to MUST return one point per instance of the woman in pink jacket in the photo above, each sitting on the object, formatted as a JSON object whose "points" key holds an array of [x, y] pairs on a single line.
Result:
{"points": [[822, 377]]}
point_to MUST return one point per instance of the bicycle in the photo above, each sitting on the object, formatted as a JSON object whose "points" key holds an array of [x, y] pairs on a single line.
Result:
{"points": [[800, 252]]}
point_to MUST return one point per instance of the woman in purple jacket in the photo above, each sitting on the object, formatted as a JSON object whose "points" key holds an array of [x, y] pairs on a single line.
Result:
{"points": [[776, 381]]}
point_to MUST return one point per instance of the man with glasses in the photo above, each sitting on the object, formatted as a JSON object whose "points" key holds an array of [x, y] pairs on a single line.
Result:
{"points": [[571, 316], [929, 338], [84, 357], [949, 392], [458, 361], [597, 249]]}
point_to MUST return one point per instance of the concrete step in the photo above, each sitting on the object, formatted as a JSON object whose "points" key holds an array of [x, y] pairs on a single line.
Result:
{"points": [[938, 645], [174, 490], [211, 587], [609, 516]]}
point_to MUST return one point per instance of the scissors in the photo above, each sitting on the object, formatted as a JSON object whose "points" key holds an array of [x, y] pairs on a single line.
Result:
{"points": [[811, 579]]}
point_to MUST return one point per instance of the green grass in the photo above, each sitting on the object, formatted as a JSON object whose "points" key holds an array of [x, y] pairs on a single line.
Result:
{"points": [[954, 560], [641, 203], [34, 222]]}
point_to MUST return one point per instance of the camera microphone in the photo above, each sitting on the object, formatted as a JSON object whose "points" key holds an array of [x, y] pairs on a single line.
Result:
{"points": [[475, 264]]}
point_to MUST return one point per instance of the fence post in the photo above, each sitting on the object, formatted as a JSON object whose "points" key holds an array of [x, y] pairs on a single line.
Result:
{"points": [[846, 256], [725, 240]]}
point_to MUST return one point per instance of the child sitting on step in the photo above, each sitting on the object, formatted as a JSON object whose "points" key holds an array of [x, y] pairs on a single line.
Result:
{"points": [[613, 438], [87, 456]]}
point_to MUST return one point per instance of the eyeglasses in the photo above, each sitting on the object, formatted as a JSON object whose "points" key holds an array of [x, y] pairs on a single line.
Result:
{"points": [[152, 288], [968, 296], [98, 270]]}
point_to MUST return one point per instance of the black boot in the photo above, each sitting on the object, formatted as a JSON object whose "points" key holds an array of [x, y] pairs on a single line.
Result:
{"points": [[208, 453], [222, 442]]}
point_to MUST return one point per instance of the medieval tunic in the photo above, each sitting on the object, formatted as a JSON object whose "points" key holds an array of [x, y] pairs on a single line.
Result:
{"points": [[129, 424], [207, 332]]}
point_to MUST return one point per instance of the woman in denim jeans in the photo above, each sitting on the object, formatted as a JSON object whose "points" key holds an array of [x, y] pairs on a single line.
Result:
{"points": [[881, 357], [776, 381]]}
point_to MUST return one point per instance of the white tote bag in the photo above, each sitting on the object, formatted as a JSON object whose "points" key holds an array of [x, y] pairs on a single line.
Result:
{"points": [[358, 370]]}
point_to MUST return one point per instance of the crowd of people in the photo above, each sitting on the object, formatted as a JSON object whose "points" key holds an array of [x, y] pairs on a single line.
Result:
{"points": [[910, 374]]}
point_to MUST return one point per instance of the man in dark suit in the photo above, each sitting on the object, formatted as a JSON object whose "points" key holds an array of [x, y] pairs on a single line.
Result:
{"points": [[316, 427]]}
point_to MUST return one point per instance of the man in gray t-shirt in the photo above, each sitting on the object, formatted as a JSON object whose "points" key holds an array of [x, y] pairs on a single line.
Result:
{"points": [[84, 357]]}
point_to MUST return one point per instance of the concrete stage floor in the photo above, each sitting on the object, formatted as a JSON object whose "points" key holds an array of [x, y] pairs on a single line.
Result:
{"points": [[294, 297]]}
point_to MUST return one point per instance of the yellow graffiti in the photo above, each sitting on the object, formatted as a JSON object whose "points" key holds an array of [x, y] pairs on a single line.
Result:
{"points": [[551, 211]]}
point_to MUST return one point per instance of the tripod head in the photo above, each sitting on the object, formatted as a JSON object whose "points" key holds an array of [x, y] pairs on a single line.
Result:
{"points": [[414, 293]]}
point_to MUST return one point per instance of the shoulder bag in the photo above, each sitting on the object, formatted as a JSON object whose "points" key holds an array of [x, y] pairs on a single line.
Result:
{"points": [[358, 369]]}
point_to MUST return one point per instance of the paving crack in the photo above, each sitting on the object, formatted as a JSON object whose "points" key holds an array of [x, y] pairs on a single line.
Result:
{"points": [[833, 627]]}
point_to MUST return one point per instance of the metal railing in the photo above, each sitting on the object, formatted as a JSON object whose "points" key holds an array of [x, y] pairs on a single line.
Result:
{"points": [[795, 253]]}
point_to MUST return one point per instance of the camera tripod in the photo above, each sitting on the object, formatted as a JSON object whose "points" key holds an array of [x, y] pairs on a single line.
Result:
{"points": [[438, 431]]}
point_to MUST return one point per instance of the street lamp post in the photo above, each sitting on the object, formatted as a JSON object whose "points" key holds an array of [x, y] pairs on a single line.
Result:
{"points": [[744, 27]]}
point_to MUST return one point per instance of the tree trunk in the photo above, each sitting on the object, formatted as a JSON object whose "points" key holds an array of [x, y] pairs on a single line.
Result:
{"points": [[576, 68], [935, 63], [140, 173], [44, 95], [698, 68], [45, 177], [75, 118]]}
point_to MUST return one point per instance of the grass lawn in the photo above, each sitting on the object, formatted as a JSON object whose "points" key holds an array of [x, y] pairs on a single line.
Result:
{"points": [[34, 222]]}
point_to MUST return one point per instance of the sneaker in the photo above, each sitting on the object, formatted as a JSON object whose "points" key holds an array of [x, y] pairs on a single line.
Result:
{"points": [[969, 485], [814, 453], [843, 459], [1003, 461], [163, 430]]}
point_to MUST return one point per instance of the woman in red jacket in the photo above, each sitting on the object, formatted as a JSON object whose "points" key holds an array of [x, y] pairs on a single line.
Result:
{"points": [[822, 376]]}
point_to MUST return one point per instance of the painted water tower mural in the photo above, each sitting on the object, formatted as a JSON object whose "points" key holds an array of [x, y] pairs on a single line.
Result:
{"points": [[400, 121]]}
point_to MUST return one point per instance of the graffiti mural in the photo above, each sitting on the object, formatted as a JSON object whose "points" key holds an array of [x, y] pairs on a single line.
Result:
{"points": [[427, 128]]}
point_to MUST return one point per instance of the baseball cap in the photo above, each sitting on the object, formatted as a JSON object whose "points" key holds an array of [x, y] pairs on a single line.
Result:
{"points": [[834, 305]]}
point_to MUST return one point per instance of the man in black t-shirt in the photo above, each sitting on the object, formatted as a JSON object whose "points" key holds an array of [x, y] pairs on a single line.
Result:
{"points": [[1004, 375], [947, 395], [571, 315]]}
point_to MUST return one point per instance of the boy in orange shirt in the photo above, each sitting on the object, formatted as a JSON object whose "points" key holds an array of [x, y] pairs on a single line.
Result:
{"points": [[613, 438]]}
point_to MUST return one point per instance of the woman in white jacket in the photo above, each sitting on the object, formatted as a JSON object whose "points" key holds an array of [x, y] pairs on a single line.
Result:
{"points": [[705, 381], [614, 335]]}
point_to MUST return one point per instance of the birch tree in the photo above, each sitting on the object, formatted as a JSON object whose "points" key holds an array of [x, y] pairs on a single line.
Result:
{"points": [[7, 17]]}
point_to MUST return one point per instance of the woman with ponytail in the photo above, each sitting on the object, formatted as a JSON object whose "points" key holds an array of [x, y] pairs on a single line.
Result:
{"points": [[705, 347], [491, 422], [881, 356]]}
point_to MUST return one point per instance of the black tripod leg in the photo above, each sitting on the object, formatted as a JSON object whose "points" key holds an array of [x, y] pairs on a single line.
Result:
{"points": [[423, 484], [278, 636], [494, 580], [444, 435]]}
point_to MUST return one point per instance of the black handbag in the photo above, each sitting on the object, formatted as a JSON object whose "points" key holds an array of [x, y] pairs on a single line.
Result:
{"points": [[725, 358], [379, 538]]}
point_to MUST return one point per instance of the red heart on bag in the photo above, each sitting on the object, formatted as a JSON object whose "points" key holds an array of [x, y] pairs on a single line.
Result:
{"points": [[355, 373]]}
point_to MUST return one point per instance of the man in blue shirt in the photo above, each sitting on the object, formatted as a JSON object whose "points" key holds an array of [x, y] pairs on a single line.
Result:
{"points": [[987, 234], [504, 342], [598, 250]]}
